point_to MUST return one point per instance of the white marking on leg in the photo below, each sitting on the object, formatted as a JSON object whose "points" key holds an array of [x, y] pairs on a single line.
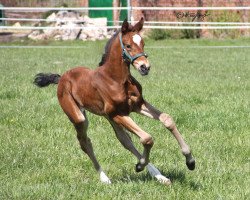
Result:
{"points": [[104, 178], [137, 39], [142, 161], [154, 172]]}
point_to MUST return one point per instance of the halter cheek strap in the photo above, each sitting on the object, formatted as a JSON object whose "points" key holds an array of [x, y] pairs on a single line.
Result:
{"points": [[126, 56]]}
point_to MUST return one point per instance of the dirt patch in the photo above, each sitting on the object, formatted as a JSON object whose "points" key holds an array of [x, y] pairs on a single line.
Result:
{"points": [[9, 36]]}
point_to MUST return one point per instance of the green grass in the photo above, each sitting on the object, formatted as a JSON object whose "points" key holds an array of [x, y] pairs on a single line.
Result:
{"points": [[207, 91]]}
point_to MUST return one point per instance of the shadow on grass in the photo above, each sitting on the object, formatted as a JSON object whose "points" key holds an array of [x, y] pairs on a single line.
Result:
{"points": [[179, 176], [128, 177], [174, 175]]}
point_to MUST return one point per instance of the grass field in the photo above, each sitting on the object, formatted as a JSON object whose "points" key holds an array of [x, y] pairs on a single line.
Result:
{"points": [[206, 90]]}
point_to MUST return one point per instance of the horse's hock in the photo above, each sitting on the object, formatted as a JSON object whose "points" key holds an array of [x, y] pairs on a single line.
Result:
{"points": [[73, 26]]}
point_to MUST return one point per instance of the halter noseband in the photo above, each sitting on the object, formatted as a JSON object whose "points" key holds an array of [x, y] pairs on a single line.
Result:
{"points": [[126, 56]]}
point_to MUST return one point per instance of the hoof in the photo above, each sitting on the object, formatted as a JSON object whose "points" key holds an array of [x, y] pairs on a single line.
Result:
{"points": [[104, 178], [191, 164], [138, 167], [163, 180]]}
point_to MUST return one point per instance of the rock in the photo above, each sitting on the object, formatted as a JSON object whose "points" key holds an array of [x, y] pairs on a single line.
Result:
{"points": [[99, 25], [71, 31], [36, 35], [58, 37], [74, 26], [83, 36], [17, 24], [51, 18], [50, 32]]}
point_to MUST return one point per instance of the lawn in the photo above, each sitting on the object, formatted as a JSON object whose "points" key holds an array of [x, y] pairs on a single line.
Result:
{"points": [[206, 90]]}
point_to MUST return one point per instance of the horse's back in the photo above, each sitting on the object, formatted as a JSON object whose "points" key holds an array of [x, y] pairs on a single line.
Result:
{"points": [[76, 73], [73, 76]]}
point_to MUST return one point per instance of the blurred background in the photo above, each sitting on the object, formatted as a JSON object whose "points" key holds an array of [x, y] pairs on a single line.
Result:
{"points": [[163, 18]]}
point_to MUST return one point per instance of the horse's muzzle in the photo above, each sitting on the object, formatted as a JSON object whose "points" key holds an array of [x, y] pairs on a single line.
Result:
{"points": [[143, 69]]}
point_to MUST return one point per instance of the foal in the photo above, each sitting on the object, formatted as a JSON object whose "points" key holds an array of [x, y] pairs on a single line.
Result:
{"points": [[111, 91]]}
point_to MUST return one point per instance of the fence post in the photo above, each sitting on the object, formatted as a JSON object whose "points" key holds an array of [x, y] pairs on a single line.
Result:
{"points": [[129, 10]]}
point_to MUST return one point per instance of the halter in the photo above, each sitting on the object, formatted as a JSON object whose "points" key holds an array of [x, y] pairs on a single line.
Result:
{"points": [[126, 56]]}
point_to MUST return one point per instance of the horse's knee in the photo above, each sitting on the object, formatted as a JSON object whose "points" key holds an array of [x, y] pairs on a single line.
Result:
{"points": [[78, 119], [167, 121], [148, 141]]}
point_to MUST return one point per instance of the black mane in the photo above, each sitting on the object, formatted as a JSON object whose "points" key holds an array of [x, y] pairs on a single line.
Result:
{"points": [[107, 48]]}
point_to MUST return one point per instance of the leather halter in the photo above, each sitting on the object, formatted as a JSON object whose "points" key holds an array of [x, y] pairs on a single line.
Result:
{"points": [[126, 56]]}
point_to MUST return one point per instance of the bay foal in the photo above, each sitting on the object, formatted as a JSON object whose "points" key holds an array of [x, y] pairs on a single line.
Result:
{"points": [[111, 91]]}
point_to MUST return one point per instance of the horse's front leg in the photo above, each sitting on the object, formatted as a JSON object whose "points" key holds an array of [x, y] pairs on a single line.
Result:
{"points": [[145, 139], [126, 141], [149, 111]]}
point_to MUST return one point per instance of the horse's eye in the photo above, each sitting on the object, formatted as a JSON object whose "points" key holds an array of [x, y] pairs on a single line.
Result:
{"points": [[128, 46]]}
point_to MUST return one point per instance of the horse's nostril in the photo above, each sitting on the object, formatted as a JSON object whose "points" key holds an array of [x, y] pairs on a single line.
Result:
{"points": [[143, 67]]}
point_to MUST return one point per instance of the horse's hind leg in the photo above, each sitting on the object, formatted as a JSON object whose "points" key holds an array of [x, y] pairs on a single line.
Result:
{"points": [[86, 145], [80, 122], [149, 111]]}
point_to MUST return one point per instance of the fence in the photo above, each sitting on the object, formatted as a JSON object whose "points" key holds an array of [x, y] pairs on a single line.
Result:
{"points": [[41, 3], [148, 24]]}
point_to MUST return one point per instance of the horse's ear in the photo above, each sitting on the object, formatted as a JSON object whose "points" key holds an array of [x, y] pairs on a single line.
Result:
{"points": [[138, 26], [125, 26]]}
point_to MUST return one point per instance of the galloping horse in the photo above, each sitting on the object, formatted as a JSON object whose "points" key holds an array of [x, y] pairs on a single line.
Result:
{"points": [[111, 91]]}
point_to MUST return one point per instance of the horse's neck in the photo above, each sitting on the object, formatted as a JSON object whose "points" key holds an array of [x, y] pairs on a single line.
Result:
{"points": [[115, 67]]}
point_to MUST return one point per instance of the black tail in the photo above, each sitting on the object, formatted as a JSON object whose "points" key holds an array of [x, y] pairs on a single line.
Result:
{"points": [[43, 80]]}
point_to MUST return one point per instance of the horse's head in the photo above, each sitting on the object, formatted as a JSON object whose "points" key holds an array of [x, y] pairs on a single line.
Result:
{"points": [[133, 46]]}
